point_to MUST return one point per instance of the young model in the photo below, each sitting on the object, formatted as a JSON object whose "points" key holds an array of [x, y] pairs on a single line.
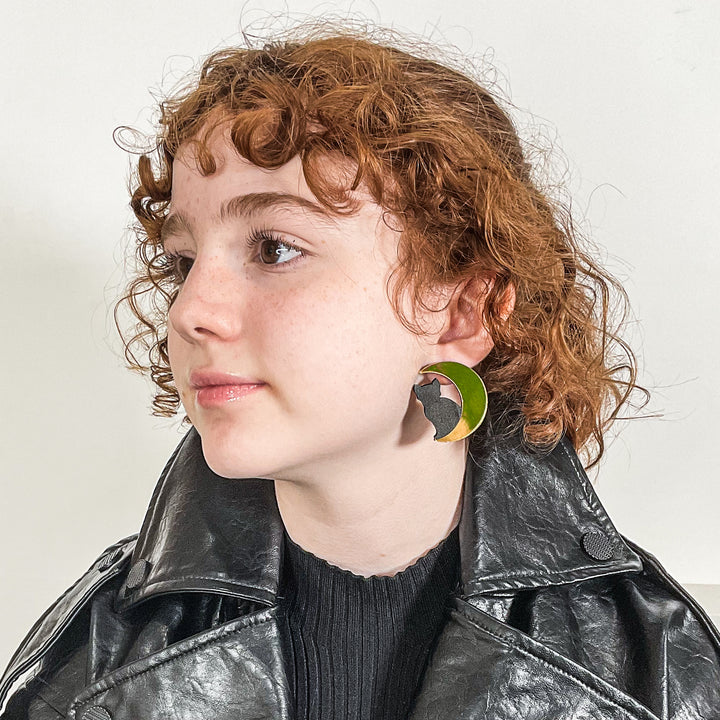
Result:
{"points": [[331, 232]]}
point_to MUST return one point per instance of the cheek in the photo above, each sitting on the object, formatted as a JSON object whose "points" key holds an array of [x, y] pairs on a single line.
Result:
{"points": [[299, 328], [345, 334]]}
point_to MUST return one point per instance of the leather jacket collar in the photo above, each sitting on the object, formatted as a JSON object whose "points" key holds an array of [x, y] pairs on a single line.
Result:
{"points": [[523, 521]]}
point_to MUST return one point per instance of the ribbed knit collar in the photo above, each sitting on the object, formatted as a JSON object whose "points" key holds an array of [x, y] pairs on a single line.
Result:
{"points": [[356, 647], [440, 562]]}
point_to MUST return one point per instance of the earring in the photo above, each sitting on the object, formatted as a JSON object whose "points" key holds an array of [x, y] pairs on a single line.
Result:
{"points": [[452, 421]]}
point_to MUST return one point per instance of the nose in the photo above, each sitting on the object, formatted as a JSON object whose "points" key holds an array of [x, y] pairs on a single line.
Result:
{"points": [[208, 303]]}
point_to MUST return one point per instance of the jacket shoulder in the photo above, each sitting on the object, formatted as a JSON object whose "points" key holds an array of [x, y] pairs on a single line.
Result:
{"points": [[654, 571], [638, 630], [28, 659], [678, 643]]}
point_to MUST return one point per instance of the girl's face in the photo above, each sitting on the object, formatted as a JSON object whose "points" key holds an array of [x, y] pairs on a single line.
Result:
{"points": [[292, 301]]}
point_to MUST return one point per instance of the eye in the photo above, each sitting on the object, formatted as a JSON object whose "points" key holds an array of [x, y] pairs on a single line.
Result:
{"points": [[273, 249], [175, 266]]}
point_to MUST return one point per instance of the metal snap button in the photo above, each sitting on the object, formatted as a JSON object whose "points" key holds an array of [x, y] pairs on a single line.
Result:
{"points": [[597, 545], [138, 573], [109, 560], [96, 712]]}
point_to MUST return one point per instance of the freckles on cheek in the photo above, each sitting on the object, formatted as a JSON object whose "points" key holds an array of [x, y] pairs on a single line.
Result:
{"points": [[309, 327]]}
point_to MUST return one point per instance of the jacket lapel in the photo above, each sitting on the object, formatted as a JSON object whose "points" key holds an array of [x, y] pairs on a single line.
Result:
{"points": [[205, 533], [525, 515], [232, 672], [486, 670]]}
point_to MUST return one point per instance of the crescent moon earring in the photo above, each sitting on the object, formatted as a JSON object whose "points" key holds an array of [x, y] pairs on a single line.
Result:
{"points": [[452, 421]]}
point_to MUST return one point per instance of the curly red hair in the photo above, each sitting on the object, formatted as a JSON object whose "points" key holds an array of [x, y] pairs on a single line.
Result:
{"points": [[436, 150]]}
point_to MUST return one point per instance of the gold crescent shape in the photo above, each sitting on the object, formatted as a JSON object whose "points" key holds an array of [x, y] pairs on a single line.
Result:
{"points": [[473, 396]]}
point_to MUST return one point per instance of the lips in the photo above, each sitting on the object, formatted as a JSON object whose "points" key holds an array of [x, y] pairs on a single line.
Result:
{"points": [[215, 388], [204, 378]]}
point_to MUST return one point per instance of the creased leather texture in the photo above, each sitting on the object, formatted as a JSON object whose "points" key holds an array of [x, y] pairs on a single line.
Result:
{"points": [[181, 621]]}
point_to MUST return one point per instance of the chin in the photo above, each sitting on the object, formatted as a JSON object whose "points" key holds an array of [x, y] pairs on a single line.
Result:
{"points": [[238, 463]]}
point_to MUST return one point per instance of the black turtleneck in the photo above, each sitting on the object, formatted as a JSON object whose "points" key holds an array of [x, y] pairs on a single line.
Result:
{"points": [[357, 647]]}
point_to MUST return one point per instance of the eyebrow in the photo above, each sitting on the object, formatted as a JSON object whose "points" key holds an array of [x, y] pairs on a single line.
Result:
{"points": [[245, 206]]}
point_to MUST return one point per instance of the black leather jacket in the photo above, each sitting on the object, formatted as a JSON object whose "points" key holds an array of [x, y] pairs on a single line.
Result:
{"points": [[557, 615]]}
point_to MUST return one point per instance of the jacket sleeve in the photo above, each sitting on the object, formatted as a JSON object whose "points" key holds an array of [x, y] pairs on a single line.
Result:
{"points": [[687, 645], [57, 646]]}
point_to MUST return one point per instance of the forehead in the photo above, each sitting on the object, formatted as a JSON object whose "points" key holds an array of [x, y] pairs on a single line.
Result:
{"points": [[236, 175], [233, 175], [239, 188]]}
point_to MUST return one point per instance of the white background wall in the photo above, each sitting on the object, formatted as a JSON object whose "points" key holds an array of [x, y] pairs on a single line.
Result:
{"points": [[630, 91]]}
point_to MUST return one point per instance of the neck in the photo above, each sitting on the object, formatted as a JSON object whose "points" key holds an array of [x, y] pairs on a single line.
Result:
{"points": [[378, 512]]}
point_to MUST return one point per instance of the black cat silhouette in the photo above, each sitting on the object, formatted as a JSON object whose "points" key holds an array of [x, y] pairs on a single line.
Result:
{"points": [[442, 412]]}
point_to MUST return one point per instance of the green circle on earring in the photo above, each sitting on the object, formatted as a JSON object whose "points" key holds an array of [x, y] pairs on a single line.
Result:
{"points": [[473, 396]]}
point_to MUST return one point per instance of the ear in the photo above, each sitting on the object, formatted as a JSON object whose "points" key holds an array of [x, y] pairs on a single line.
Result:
{"points": [[464, 337]]}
